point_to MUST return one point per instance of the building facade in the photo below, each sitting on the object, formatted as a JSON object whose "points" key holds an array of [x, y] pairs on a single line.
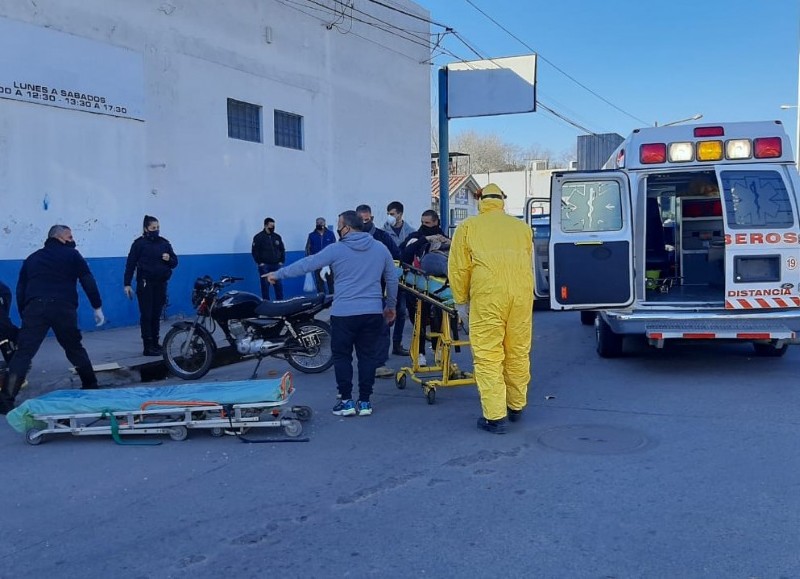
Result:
{"points": [[210, 116]]}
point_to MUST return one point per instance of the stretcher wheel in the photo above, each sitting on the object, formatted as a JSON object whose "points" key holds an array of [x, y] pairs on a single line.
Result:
{"points": [[178, 433], [400, 381], [293, 428], [31, 438], [431, 395], [216, 432], [303, 413]]}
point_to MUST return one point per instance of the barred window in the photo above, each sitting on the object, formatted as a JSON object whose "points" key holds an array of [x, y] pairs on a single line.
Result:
{"points": [[288, 130], [459, 214], [244, 121]]}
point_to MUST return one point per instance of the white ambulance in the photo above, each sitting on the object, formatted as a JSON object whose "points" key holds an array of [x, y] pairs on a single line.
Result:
{"points": [[689, 232]]}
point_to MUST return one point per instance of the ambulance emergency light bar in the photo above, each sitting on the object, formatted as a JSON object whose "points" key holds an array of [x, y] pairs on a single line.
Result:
{"points": [[734, 142]]}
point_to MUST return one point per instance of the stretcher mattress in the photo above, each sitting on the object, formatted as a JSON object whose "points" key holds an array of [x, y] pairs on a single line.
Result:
{"points": [[427, 284], [131, 399]]}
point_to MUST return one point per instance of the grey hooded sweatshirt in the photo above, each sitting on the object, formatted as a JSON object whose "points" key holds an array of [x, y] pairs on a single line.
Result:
{"points": [[358, 262]]}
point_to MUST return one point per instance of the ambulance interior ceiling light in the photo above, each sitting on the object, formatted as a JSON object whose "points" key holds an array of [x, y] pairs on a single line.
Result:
{"points": [[681, 152]]}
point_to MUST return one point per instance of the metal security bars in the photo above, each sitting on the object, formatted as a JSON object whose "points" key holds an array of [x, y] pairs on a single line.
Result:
{"points": [[244, 121], [288, 130]]}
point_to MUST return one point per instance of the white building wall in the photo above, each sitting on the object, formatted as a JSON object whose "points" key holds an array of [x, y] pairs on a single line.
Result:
{"points": [[364, 97], [518, 186]]}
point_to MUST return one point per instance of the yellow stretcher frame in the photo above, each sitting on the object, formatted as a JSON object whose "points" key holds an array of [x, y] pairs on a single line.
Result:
{"points": [[444, 373]]}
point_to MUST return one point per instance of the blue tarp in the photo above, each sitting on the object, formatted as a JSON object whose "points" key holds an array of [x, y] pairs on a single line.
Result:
{"points": [[127, 399]]}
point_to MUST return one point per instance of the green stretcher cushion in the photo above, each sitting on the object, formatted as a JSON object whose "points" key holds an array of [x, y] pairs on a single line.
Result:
{"points": [[131, 399], [427, 284]]}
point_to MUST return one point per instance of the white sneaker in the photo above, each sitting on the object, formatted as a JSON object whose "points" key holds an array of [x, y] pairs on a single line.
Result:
{"points": [[422, 360], [384, 372]]}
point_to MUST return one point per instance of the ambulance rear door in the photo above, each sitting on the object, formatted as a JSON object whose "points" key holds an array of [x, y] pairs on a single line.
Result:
{"points": [[762, 255], [591, 243]]}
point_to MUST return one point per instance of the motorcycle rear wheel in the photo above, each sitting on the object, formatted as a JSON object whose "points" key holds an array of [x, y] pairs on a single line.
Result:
{"points": [[196, 361], [317, 359]]}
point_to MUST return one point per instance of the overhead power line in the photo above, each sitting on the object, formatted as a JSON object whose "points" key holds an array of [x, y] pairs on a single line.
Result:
{"points": [[569, 76]]}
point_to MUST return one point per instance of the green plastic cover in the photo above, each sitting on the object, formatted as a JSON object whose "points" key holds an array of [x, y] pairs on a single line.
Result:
{"points": [[62, 402], [427, 284]]}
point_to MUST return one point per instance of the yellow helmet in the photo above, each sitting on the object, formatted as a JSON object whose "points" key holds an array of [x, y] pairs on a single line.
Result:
{"points": [[491, 191]]}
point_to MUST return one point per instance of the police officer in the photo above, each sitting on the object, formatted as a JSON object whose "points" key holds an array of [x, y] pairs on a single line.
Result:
{"points": [[47, 298], [269, 254], [152, 258]]}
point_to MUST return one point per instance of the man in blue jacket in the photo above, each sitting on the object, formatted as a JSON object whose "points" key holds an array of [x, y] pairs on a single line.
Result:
{"points": [[47, 298], [318, 240], [358, 313]]}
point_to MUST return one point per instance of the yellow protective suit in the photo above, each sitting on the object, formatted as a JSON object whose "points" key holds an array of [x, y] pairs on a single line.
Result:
{"points": [[490, 267]]}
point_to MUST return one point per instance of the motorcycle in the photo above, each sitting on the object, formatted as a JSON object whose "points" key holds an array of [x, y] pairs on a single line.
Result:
{"points": [[252, 326]]}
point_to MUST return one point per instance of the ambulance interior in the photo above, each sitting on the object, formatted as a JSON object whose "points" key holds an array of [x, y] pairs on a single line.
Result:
{"points": [[684, 238]]}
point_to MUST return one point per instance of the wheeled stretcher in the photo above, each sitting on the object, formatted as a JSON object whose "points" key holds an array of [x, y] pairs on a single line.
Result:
{"points": [[443, 372], [172, 410]]}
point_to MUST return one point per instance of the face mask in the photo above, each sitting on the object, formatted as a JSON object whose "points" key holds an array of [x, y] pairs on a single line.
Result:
{"points": [[320, 227], [70, 244], [339, 232], [152, 235], [270, 228], [391, 220], [435, 230]]}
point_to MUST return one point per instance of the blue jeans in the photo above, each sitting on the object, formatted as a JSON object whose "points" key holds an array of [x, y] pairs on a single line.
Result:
{"points": [[362, 333], [268, 268]]}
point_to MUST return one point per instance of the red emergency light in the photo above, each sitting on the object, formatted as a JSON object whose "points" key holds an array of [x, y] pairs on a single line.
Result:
{"points": [[653, 153], [709, 132], [767, 148]]}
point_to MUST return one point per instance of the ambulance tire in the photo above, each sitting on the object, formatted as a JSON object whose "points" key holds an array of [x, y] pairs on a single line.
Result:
{"points": [[770, 350], [609, 344], [587, 318]]}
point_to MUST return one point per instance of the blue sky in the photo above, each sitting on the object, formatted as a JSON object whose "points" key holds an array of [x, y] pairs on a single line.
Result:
{"points": [[659, 61]]}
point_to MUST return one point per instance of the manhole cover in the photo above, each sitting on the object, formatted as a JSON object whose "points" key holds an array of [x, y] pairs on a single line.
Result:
{"points": [[593, 439]]}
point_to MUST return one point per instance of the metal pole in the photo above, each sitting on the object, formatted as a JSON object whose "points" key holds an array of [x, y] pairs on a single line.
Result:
{"points": [[444, 153]]}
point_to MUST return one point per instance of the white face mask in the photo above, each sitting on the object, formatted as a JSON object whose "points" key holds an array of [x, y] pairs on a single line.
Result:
{"points": [[391, 220]]}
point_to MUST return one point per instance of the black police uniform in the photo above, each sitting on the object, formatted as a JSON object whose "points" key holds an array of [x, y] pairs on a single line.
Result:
{"points": [[152, 274], [268, 249], [47, 298]]}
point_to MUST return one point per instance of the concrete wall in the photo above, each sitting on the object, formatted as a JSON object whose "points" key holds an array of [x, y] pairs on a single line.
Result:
{"points": [[364, 101]]}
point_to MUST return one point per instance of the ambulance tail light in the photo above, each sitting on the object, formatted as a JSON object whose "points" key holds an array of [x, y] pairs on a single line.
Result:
{"points": [[700, 132], [653, 153], [738, 149], [681, 152], [709, 150], [768, 148]]}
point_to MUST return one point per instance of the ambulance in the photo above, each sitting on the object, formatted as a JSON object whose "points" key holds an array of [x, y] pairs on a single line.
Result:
{"points": [[688, 233]]}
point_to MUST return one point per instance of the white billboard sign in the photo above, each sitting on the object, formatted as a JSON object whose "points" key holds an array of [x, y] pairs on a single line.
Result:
{"points": [[47, 67], [499, 86]]}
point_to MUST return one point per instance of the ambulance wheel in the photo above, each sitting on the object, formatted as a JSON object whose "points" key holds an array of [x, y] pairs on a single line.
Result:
{"points": [[31, 438], [400, 382], [587, 318], [216, 432], [302, 413], [609, 344], [770, 350], [293, 428], [431, 396], [178, 433]]}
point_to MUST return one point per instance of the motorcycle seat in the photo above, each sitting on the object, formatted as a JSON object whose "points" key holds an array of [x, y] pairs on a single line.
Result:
{"points": [[284, 308]]}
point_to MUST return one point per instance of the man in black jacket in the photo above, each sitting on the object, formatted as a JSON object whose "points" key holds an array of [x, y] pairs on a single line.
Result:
{"points": [[8, 331], [269, 254], [47, 298]]}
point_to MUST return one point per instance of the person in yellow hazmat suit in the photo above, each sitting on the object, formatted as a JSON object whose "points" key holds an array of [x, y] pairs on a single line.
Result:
{"points": [[492, 282]]}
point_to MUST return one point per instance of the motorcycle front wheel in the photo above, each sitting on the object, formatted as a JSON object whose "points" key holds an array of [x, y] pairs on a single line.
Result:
{"points": [[187, 358], [316, 358]]}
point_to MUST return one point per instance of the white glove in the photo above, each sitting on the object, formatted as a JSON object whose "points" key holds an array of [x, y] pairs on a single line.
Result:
{"points": [[324, 272], [463, 313], [99, 318]]}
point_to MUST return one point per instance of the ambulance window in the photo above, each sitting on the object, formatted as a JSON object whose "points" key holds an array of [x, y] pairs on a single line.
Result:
{"points": [[591, 206], [756, 199]]}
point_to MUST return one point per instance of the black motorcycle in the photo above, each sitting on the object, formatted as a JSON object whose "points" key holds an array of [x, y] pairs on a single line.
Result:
{"points": [[253, 327]]}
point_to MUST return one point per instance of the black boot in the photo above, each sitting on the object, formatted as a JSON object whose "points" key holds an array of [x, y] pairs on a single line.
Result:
{"points": [[8, 393], [493, 426], [151, 347], [88, 378]]}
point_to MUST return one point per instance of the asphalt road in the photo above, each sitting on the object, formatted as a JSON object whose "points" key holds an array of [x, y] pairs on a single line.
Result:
{"points": [[674, 463]]}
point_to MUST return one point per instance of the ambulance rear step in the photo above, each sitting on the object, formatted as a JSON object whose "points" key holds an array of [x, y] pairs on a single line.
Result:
{"points": [[709, 330]]}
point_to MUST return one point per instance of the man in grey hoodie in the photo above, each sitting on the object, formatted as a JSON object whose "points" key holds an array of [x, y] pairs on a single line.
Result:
{"points": [[358, 315]]}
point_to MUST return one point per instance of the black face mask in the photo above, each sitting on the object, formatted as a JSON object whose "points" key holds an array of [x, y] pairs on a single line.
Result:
{"points": [[320, 227], [70, 244], [339, 232], [426, 231], [270, 229], [151, 235]]}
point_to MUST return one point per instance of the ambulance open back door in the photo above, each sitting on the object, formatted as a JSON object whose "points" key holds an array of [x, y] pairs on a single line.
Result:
{"points": [[591, 241]]}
